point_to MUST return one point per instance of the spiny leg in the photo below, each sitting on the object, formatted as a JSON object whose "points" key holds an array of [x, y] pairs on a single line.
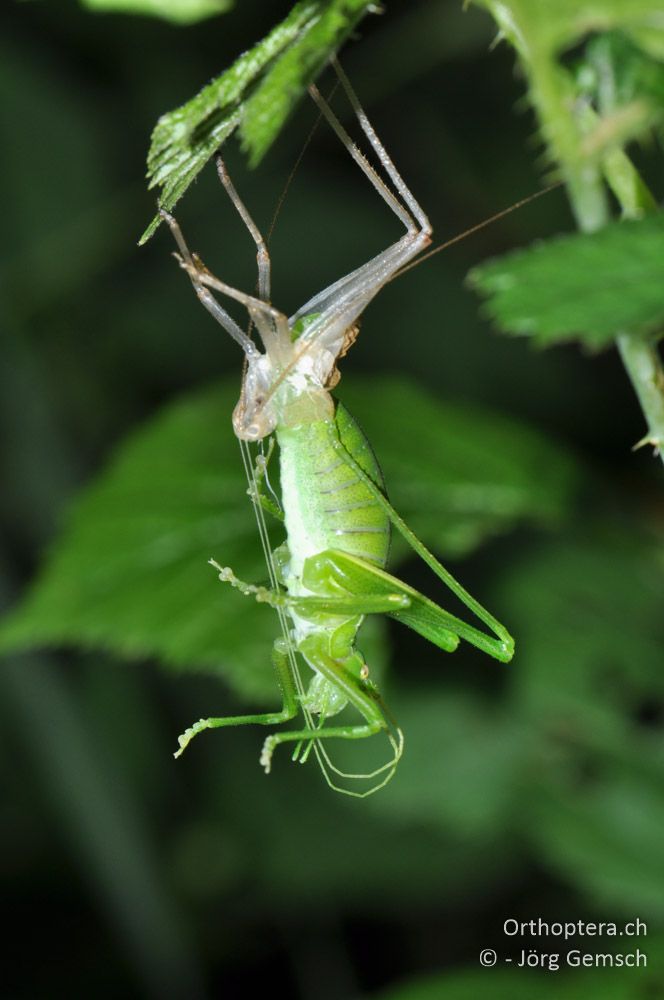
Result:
{"points": [[406, 195], [380, 150], [361, 160], [280, 660], [262, 255], [342, 302], [340, 604]]}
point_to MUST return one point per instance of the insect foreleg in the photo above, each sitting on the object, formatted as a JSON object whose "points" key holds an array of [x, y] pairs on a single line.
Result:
{"points": [[290, 707], [259, 476]]}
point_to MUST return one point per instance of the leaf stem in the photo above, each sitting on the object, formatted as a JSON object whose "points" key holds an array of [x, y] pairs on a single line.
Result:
{"points": [[644, 367], [561, 115]]}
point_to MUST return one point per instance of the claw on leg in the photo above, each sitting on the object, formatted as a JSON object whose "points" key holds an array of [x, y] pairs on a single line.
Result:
{"points": [[266, 754], [187, 736]]}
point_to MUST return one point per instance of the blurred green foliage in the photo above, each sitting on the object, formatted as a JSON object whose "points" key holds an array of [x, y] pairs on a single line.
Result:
{"points": [[537, 28], [533, 790], [177, 11]]}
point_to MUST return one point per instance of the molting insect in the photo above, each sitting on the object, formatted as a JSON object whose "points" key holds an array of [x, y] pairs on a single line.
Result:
{"points": [[330, 572]]}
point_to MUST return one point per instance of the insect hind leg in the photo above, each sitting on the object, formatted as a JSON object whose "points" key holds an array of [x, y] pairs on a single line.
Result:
{"points": [[384, 157]]}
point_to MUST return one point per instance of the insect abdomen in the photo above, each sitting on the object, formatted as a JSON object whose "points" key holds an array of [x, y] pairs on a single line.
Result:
{"points": [[326, 504]]}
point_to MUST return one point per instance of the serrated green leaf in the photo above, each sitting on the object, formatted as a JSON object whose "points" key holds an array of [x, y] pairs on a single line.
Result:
{"points": [[184, 139], [175, 11], [129, 572], [459, 474], [588, 286], [268, 108], [539, 28]]}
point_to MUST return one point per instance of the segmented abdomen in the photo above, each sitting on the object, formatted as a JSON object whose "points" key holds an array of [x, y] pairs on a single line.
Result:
{"points": [[326, 504]]}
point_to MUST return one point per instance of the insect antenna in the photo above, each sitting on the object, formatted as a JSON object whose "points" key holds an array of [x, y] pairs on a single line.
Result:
{"points": [[296, 166], [476, 228]]}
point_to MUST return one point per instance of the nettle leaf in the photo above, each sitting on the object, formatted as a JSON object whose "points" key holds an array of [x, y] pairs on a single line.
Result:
{"points": [[129, 571], [459, 474], [257, 93], [587, 286], [539, 28], [175, 11], [282, 86]]}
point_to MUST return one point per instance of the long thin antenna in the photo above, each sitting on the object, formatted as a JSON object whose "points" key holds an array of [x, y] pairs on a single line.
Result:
{"points": [[296, 166], [476, 228]]}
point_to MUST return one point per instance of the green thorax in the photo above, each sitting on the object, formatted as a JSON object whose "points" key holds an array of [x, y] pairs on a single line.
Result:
{"points": [[326, 504]]}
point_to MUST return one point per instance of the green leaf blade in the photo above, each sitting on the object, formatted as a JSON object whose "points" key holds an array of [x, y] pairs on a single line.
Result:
{"points": [[184, 139], [269, 107], [290, 56], [589, 286]]}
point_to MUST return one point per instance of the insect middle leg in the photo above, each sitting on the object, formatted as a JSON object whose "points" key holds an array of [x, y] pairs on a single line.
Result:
{"points": [[290, 707]]}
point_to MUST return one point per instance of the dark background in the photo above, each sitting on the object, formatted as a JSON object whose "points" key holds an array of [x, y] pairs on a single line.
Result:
{"points": [[122, 873]]}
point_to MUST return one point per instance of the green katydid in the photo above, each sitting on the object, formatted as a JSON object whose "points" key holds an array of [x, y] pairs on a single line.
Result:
{"points": [[331, 571]]}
